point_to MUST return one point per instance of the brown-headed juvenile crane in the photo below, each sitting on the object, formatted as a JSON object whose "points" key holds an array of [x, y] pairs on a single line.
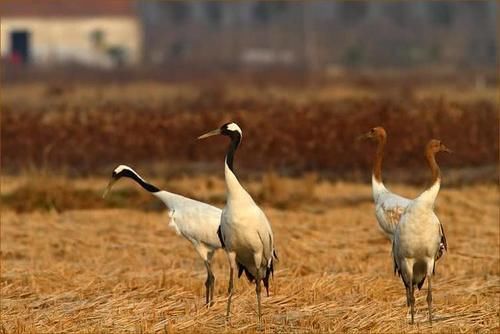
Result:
{"points": [[244, 231], [419, 234], [194, 220], [388, 206]]}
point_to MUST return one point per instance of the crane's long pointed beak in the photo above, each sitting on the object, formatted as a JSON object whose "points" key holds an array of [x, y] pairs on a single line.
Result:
{"points": [[443, 148], [363, 136], [210, 134], [108, 188]]}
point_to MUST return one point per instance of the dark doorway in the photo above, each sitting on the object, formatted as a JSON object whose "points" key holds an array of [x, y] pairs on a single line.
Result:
{"points": [[20, 46]]}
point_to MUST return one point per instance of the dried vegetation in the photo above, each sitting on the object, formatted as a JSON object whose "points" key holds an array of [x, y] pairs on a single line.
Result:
{"points": [[75, 263], [88, 128], [80, 271]]}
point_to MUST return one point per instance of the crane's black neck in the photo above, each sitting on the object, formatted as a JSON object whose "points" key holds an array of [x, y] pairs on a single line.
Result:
{"points": [[235, 142], [128, 173]]}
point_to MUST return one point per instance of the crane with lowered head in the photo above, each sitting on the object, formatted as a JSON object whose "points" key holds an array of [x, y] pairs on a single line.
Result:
{"points": [[194, 220]]}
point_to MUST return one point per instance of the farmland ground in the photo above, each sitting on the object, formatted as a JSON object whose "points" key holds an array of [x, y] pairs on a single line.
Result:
{"points": [[123, 270]]}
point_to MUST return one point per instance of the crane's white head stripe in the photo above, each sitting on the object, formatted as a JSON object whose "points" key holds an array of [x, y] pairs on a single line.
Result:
{"points": [[234, 127], [121, 168]]}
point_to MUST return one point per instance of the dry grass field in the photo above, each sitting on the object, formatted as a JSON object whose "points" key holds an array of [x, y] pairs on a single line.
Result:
{"points": [[72, 262], [111, 270]]}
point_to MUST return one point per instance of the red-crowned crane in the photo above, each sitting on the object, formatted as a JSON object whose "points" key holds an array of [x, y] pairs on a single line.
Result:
{"points": [[196, 221], [244, 231]]}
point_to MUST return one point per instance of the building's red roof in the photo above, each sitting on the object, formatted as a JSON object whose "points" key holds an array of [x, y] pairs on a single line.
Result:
{"points": [[61, 8]]}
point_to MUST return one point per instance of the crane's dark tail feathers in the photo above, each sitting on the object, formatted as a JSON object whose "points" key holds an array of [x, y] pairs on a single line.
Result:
{"points": [[242, 269], [443, 245], [219, 234], [398, 272], [269, 272]]}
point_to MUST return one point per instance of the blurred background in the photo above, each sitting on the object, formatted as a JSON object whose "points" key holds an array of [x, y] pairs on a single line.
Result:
{"points": [[90, 84], [315, 35]]}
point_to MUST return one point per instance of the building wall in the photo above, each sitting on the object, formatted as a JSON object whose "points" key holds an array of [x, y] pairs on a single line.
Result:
{"points": [[63, 40]]}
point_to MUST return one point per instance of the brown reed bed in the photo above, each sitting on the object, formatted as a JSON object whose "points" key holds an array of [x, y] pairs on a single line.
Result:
{"points": [[87, 129]]}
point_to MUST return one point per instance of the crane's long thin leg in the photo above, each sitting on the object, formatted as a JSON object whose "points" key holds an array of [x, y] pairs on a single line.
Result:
{"points": [[412, 301], [212, 277], [257, 291], [429, 298], [232, 264], [407, 295], [230, 292], [212, 288], [206, 254], [209, 284]]}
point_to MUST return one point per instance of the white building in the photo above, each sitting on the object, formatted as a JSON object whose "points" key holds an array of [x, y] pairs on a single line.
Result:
{"points": [[89, 32]]}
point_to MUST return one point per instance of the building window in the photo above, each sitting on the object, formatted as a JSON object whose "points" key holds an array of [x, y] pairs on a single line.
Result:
{"points": [[20, 46], [97, 38]]}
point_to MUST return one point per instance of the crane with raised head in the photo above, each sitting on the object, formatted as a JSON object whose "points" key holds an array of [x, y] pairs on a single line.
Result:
{"points": [[388, 206], [419, 235], [244, 231]]}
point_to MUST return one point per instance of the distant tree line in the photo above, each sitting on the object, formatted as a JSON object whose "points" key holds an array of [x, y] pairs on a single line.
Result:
{"points": [[319, 34]]}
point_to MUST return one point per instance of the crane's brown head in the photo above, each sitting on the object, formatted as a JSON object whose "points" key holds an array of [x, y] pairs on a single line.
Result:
{"points": [[435, 145], [376, 134]]}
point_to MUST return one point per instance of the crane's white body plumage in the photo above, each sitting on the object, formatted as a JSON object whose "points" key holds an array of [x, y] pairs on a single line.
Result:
{"points": [[416, 245], [388, 207], [194, 220], [417, 238], [245, 228]]}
